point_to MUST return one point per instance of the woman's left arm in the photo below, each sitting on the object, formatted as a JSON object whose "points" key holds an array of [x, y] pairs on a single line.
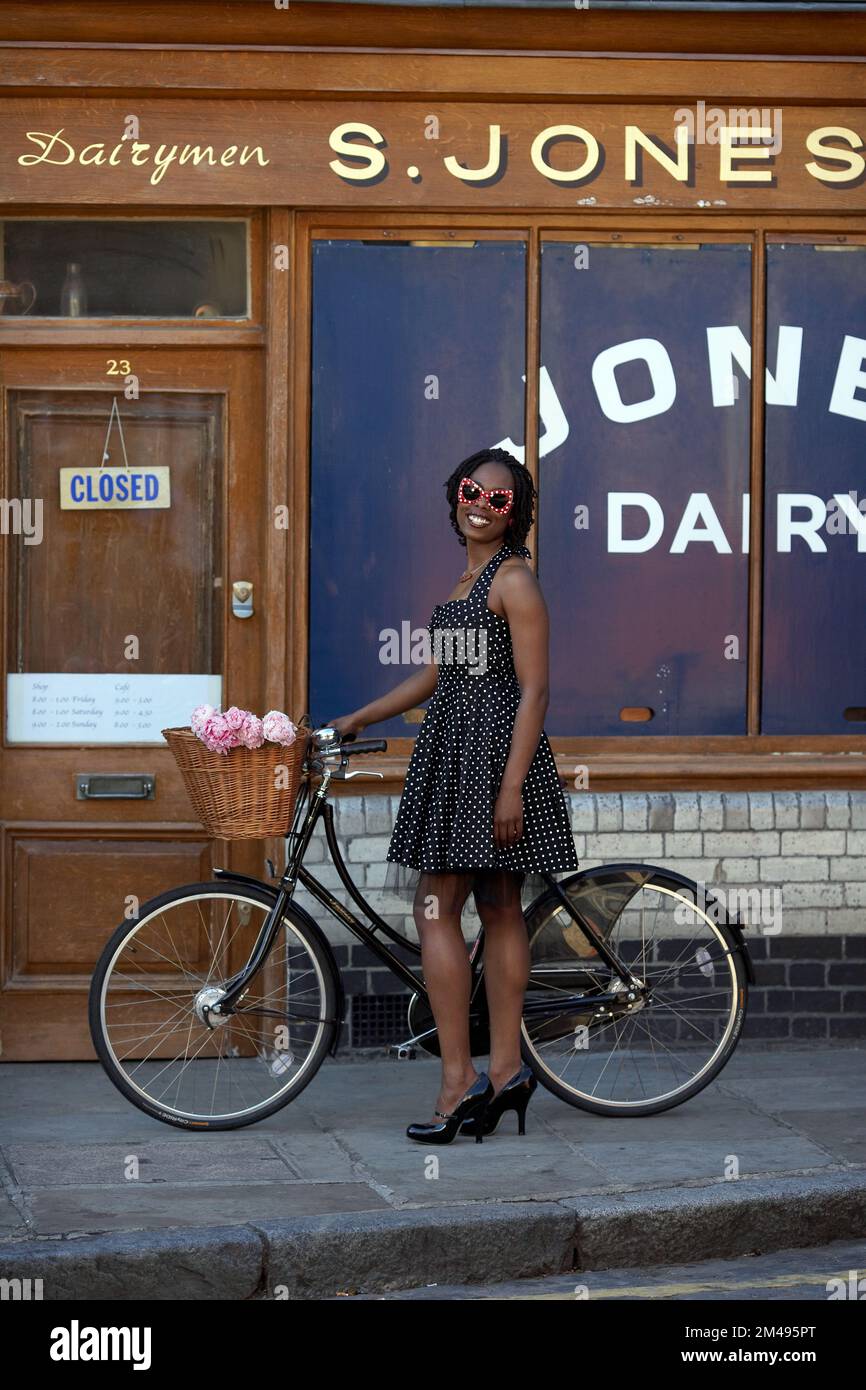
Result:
{"points": [[528, 620]]}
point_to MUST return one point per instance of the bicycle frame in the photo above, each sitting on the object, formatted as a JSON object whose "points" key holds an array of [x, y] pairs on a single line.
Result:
{"points": [[297, 841]]}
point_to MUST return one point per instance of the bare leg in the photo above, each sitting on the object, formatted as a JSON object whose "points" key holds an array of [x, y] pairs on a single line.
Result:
{"points": [[438, 908], [506, 971]]}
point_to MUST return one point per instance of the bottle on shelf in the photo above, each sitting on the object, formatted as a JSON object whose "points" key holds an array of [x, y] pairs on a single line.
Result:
{"points": [[73, 296]]}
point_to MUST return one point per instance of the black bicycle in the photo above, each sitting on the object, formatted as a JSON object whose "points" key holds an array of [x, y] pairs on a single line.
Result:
{"points": [[217, 1004]]}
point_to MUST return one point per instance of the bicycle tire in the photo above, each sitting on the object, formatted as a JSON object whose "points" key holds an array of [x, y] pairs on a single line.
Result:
{"points": [[328, 1026], [657, 876]]}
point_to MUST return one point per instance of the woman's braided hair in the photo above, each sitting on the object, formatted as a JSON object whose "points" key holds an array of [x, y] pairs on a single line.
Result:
{"points": [[521, 514]]}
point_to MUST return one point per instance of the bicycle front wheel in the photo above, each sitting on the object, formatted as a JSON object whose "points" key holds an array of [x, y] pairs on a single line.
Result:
{"points": [[612, 1050], [161, 973]]}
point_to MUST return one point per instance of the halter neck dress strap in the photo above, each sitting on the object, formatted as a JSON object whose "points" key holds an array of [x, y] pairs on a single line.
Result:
{"points": [[481, 588]]}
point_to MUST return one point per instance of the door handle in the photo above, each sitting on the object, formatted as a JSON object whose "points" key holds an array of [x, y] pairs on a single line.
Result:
{"points": [[242, 599]]}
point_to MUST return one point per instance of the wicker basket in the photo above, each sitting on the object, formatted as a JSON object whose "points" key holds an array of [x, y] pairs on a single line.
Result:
{"points": [[235, 794]]}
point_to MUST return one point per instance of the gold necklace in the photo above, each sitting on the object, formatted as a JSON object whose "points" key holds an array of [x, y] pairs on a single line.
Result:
{"points": [[469, 573]]}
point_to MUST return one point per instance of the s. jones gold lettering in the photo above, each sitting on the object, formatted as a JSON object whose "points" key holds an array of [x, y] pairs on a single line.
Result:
{"points": [[735, 163]]}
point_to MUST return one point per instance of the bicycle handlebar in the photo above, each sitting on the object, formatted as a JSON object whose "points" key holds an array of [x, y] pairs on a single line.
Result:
{"points": [[365, 745], [326, 741]]}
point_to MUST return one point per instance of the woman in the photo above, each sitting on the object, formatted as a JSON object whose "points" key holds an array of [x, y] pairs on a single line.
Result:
{"points": [[482, 803]]}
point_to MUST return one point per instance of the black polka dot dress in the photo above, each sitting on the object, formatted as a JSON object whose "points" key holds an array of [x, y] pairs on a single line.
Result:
{"points": [[445, 817]]}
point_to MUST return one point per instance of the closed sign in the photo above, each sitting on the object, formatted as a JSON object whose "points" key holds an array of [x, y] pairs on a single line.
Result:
{"points": [[111, 488]]}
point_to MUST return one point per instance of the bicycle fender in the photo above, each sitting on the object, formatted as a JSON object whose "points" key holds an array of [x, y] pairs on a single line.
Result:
{"points": [[245, 878], [744, 951], [642, 868], [730, 920]]}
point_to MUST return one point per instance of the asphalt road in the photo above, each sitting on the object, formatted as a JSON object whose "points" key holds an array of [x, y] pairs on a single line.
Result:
{"points": [[785, 1275]]}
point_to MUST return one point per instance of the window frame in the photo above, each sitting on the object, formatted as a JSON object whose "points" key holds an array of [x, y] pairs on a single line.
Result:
{"points": [[644, 762], [41, 330]]}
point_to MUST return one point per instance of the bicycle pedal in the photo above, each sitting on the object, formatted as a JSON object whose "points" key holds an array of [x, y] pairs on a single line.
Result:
{"points": [[404, 1052]]}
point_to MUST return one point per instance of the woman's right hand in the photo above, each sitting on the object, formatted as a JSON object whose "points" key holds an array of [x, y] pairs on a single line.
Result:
{"points": [[347, 724]]}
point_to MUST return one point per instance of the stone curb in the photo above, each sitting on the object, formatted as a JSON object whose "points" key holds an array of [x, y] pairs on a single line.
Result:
{"points": [[687, 1224], [193, 1262], [376, 1252]]}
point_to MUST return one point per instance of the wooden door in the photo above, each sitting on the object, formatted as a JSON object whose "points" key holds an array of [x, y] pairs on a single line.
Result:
{"points": [[116, 623]]}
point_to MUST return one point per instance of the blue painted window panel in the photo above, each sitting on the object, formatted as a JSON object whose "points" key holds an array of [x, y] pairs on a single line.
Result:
{"points": [[418, 360], [647, 629], [814, 644]]}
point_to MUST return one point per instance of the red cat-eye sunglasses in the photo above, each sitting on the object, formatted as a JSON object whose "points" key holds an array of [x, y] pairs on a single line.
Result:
{"points": [[499, 499]]}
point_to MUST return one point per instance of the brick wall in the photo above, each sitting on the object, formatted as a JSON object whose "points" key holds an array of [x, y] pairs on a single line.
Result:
{"points": [[801, 856]]}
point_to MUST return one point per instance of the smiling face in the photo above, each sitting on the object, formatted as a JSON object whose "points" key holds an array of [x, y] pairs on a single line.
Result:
{"points": [[478, 519]]}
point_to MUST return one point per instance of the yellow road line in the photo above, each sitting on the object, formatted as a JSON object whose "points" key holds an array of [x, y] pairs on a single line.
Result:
{"points": [[777, 1281]]}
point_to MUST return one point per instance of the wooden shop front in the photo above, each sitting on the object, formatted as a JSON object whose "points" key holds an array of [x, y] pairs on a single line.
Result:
{"points": [[268, 274]]}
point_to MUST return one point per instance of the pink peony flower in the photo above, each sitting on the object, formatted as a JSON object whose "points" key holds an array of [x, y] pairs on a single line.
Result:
{"points": [[235, 718], [216, 734], [278, 727], [210, 731], [198, 717], [252, 734]]}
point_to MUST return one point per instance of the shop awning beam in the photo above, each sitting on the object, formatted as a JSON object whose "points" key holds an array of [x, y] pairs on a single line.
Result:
{"points": [[804, 6]]}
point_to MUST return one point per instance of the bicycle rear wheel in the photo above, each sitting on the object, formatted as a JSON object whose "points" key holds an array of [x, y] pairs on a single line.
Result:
{"points": [[161, 972], [635, 1053]]}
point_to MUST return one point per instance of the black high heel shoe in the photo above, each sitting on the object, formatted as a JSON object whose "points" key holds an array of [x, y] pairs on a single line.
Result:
{"points": [[473, 1103], [515, 1095]]}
